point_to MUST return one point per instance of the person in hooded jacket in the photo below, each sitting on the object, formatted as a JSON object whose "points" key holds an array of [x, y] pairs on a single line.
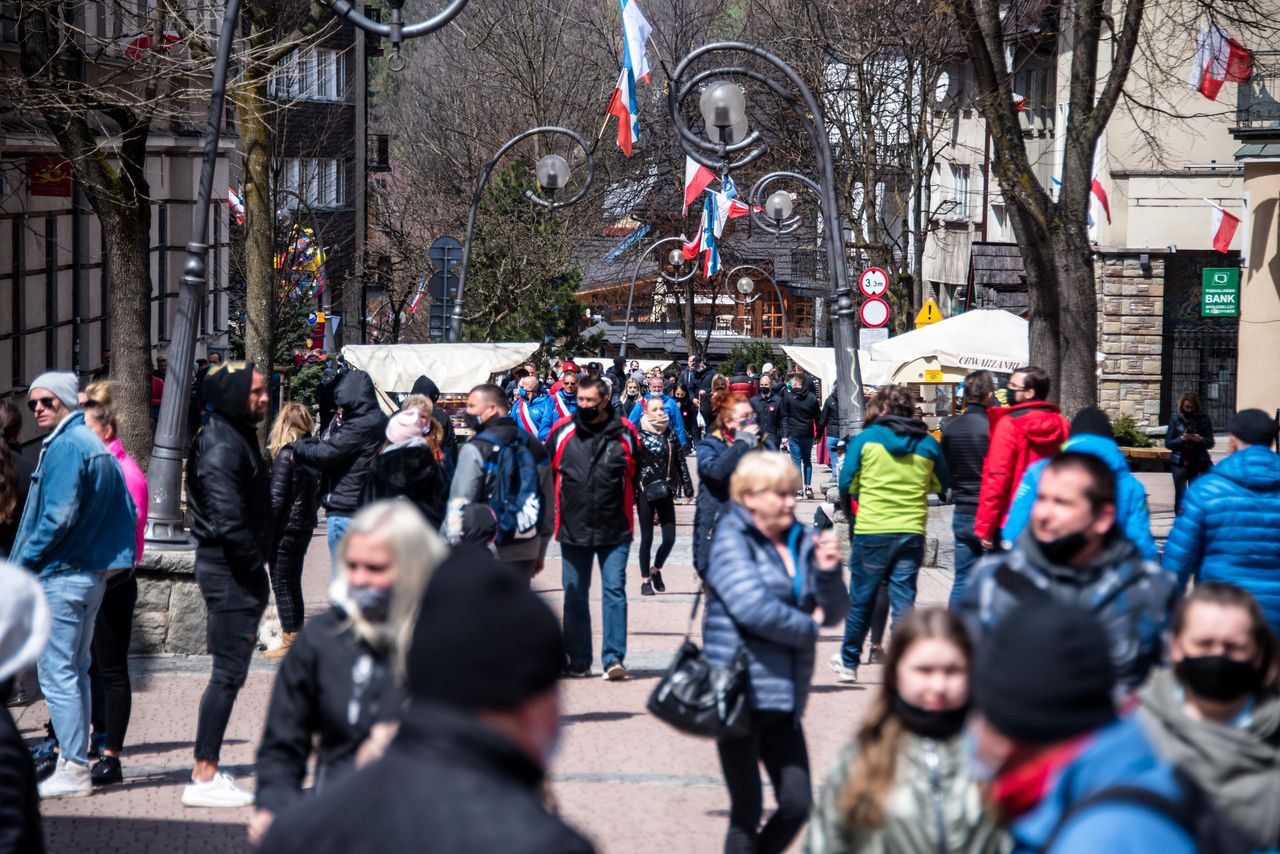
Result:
{"points": [[229, 498], [1230, 518], [344, 454], [617, 374], [1027, 430], [1091, 434], [448, 438], [408, 466], [1216, 715], [798, 421], [339, 679], [904, 784], [889, 469], [662, 474]]}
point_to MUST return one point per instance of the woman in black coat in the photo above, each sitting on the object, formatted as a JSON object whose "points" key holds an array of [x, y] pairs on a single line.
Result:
{"points": [[662, 474], [15, 475], [1190, 437], [411, 465], [688, 414], [338, 682], [294, 498]]}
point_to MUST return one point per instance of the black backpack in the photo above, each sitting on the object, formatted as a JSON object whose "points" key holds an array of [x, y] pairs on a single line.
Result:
{"points": [[511, 487], [1192, 812]]}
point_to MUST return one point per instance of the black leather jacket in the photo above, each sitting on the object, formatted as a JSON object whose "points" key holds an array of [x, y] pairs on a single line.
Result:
{"points": [[295, 490], [661, 457], [345, 453]]}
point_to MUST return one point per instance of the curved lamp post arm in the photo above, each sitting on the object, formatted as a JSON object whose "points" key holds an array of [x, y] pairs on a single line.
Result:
{"points": [[455, 320], [396, 30], [809, 113], [635, 274], [756, 197], [782, 306]]}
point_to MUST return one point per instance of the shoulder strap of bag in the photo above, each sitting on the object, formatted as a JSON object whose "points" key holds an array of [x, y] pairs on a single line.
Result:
{"points": [[1175, 811], [693, 613]]}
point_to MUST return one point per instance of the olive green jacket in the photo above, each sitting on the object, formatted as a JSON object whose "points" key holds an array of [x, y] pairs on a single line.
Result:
{"points": [[934, 807]]}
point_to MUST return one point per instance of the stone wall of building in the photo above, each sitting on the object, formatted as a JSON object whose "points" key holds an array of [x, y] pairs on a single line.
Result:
{"points": [[1130, 333]]}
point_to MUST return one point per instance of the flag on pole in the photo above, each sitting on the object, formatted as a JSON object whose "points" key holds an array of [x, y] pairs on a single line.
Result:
{"points": [[1100, 194], [1222, 225], [417, 295], [635, 36], [1019, 102], [727, 186], [623, 105], [696, 179], [236, 204], [712, 224], [691, 248], [1218, 59]]}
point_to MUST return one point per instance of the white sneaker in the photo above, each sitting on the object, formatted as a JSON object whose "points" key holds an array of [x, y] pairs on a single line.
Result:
{"points": [[843, 673], [68, 780], [615, 672], [221, 791]]}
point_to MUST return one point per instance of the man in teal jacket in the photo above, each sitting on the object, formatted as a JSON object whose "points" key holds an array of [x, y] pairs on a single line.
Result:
{"points": [[890, 469]]}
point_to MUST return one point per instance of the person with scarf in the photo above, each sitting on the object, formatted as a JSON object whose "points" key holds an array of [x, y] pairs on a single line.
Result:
{"points": [[564, 402], [904, 783], [662, 473], [409, 466], [529, 410]]}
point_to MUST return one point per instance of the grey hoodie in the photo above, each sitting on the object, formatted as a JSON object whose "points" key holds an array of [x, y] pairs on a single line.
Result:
{"points": [[1239, 769]]}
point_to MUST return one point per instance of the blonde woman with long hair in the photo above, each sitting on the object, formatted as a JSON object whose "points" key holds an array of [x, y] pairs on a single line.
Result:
{"points": [[339, 682], [294, 495]]}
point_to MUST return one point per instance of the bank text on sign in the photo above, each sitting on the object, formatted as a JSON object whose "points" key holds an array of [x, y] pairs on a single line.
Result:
{"points": [[1220, 292]]}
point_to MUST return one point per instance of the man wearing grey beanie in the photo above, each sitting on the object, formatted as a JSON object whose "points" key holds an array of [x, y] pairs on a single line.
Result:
{"points": [[77, 527]]}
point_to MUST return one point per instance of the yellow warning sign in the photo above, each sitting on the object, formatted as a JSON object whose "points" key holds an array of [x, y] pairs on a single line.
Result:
{"points": [[929, 313], [933, 376]]}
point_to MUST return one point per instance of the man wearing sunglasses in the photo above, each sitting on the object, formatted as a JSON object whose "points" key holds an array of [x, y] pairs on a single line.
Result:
{"points": [[77, 527]]}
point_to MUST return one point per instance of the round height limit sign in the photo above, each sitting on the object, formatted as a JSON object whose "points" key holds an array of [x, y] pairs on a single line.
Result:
{"points": [[874, 311]]}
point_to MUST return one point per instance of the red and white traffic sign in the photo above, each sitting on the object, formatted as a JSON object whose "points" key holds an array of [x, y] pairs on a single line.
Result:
{"points": [[873, 282], [874, 312]]}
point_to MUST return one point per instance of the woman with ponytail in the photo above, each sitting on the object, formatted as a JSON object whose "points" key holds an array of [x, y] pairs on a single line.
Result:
{"points": [[903, 784]]}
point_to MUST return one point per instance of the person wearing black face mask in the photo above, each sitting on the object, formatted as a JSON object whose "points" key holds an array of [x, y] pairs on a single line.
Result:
{"points": [[1216, 715], [1073, 553], [903, 784]]}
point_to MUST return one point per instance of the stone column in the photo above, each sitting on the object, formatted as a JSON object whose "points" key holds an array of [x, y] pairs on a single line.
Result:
{"points": [[1258, 379]]}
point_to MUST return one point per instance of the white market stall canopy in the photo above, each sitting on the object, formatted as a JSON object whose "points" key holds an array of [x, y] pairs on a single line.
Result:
{"points": [[988, 338], [455, 368], [821, 362], [606, 362]]}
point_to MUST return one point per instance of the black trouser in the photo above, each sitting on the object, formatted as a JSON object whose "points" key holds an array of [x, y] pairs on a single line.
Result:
{"points": [[666, 511], [286, 577], [236, 599], [109, 675], [777, 740], [1183, 476], [880, 613]]}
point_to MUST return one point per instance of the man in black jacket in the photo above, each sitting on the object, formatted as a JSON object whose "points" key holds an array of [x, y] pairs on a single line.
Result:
{"points": [[466, 769], [964, 444], [798, 418], [229, 496], [449, 444], [345, 453], [765, 404], [593, 459]]}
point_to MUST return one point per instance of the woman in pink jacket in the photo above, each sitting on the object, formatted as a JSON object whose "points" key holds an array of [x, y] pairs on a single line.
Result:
{"points": [[112, 693]]}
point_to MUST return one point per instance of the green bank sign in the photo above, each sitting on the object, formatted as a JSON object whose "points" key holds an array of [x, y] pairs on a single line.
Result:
{"points": [[1220, 292]]}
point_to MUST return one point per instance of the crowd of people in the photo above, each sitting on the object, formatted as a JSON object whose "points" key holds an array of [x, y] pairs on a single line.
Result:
{"points": [[1080, 689]]}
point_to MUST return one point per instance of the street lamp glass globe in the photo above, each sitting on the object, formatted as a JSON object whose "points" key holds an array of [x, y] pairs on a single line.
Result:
{"points": [[746, 286], [552, 172], [675, 257], [779, 205], [723, 105]]}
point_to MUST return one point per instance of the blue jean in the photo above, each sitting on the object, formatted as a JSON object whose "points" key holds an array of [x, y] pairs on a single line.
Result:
{"points": [[74, 599], [968, 550], [871, 559], [802, 455], [836, 459], [576, 573], [335, 528]]}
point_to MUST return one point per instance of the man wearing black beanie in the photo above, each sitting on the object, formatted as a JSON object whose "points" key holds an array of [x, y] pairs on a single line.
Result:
{"points": [[466, 769], [1230, 516], [1047, 734]]}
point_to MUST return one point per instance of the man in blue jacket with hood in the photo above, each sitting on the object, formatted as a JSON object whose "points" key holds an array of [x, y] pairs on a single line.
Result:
{"points": [[1091, 434], [1229, 529]]}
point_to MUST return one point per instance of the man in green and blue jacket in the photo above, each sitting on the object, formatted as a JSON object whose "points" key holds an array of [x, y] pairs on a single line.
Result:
{"points": [[889, 470]]}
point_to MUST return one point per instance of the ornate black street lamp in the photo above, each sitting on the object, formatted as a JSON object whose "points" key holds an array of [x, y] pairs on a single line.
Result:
{"points": [[746, 287], [552, 173], [676, 259]]}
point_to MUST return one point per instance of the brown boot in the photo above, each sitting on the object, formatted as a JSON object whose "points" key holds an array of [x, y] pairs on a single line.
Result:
{"points": [[286, 641]]}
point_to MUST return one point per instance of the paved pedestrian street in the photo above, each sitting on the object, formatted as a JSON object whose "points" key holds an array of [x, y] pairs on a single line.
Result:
{"points": [[628, 781]]}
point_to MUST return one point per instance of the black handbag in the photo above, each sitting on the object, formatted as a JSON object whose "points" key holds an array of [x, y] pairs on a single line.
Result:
{"points": [[700, 698]]}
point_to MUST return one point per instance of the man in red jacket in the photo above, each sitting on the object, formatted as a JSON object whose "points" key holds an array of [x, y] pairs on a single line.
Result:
{"points": [[1027, 430]]}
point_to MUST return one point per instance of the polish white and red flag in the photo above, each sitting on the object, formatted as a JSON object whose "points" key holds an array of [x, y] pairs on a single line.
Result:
{"points": [[1222, 226], [1100, 193], [696, 179], [623, 106], [236, 204], [1219, 59]]}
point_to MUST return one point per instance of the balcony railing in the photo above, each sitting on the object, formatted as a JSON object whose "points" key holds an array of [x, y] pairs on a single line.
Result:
{"points": [[1258, 100]]}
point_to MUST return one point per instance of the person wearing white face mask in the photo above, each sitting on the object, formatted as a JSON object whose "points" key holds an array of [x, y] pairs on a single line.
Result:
{"points": [[337, 683]]}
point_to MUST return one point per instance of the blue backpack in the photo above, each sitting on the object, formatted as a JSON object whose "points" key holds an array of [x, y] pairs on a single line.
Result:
{"points": [[512, 488]]}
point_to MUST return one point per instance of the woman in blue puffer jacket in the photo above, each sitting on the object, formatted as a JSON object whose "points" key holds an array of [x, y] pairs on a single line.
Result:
{"points": [[770, 584]]}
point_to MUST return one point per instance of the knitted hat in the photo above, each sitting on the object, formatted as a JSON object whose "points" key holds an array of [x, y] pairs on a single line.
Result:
{"points": [[63, 384], [404, 426], [1091, 421], [1044, 674], [1253, 427], [483, 640], [24, 620]]}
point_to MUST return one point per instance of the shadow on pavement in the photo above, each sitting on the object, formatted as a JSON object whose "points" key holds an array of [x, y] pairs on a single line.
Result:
{"points": [[833, 689], [166, 746], [140, 835], [596, 717]]}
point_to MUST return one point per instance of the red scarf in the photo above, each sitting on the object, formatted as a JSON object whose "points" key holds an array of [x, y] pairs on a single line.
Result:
{"points": [[1018, 791]]}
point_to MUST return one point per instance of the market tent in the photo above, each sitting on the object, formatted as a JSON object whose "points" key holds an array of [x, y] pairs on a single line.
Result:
{"points": [[821, 362], [987, 338], [455, 368], [927, 369]]}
